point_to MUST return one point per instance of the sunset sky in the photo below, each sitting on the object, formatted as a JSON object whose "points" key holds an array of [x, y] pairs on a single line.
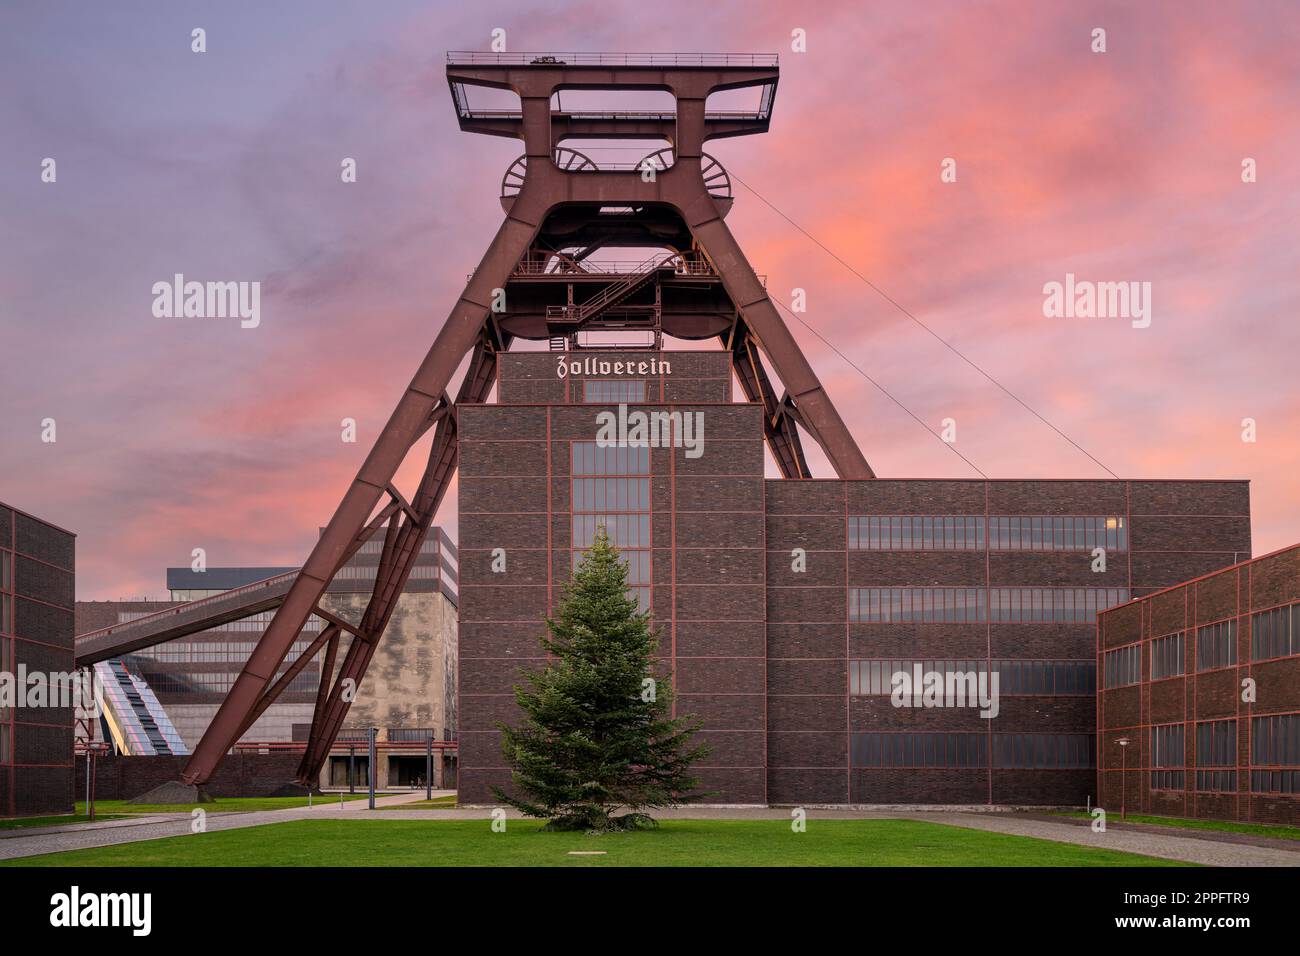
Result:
{"points": [[1121, 166]]}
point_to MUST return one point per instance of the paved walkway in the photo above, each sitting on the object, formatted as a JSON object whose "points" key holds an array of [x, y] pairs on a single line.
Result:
{"points": [[1186, 847], [20, 843]]}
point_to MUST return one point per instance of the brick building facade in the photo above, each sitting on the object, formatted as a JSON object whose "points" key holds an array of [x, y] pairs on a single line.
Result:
{"points": [[785, 606], [37, 562], [1203, 681]]}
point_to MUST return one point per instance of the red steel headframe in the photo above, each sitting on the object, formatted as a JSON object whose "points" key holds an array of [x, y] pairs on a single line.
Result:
{"points": [[372, 503]]}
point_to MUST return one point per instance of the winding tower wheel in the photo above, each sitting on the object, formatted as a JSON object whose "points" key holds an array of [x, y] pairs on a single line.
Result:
{"points": [[568, 160], [716, 180]]}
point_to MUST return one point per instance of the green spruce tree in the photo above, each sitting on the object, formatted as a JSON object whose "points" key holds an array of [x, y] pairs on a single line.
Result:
{"points": [[598, 746]]}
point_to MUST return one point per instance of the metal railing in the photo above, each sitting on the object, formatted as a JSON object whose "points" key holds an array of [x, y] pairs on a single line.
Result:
{"points": [[615, 267], [298, 746], [410, 734], [653, 116], [475, 58]]}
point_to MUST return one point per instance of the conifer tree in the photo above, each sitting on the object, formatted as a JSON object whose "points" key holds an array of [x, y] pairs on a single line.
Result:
{"points": [[598, 746]]}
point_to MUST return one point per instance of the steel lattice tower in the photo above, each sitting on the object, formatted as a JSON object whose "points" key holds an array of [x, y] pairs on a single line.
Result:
{"points": [[560, 208]]}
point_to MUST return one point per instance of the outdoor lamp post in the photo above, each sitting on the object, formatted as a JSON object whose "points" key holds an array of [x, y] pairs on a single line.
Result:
{"points": [[1123, 777]]}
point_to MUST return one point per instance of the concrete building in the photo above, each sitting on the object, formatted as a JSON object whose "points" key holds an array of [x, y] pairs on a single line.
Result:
{"points": [[787, 606], [37, 562], [409, 691], [1201, 681]]}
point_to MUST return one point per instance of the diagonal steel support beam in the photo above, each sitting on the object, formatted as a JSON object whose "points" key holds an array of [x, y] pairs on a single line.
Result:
{"points": [[776, 340], [778, 427], [400, 551], [462, 331], [328, 633]]}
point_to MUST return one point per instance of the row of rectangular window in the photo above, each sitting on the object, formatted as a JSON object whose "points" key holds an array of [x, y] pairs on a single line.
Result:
{"points": [[1216, 645], [590, 458], [624, 531], [636, 562], [873, 678], [1275, 633], [210, 683], [611, 494], [1052, 605], [1275, 741], [254, 622], [1122, 666], [6, 571], [980, 605], [200, 652], [918, 605], [1002, 532], [1216, 780], [1275, 781], [971, 750], [624, 391], [1275, 745]]}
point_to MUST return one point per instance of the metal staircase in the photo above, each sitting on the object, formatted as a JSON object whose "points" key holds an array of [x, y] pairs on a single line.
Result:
{"points": [[611, 295]]}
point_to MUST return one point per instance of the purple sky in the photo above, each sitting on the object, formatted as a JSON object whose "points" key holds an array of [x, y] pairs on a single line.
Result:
{"points": [[183, 433]]}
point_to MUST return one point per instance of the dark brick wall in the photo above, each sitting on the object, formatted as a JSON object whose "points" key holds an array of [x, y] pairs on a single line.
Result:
{"points": [[707, 593], [39, 780], [810, 641], [1130, 711], [239, 775], [761, 652]]}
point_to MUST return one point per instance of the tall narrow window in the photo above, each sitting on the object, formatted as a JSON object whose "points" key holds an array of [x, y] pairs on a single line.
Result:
{"points": [[1216, 752], [1275, 754], [1167, 656], [1216, 645], [610, 488], [1167, 757]]}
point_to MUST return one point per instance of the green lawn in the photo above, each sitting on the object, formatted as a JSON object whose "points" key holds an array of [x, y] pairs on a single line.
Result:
{"points": [[676, 843], [1277, 831], [220, 805], [447, 802]]}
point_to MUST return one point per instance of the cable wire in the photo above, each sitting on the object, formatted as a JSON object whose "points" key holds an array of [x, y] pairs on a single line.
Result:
{"points": [[946, 344]]}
